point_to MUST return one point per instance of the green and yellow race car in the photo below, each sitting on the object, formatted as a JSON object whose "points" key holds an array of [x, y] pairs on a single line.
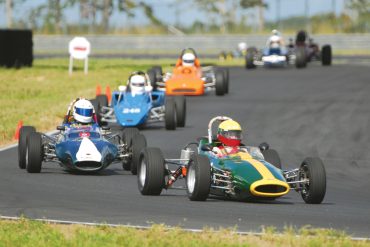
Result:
{"points": [[250, 173]]}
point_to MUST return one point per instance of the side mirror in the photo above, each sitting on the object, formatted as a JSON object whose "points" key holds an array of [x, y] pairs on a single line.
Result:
{"points": [[122, 88], [206, 148], [61, 128], [105, 128], [264, 146]]}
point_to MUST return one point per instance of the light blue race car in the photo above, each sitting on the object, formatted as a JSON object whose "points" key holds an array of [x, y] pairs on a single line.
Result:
{"points": [[84, 148], [130, 109]]}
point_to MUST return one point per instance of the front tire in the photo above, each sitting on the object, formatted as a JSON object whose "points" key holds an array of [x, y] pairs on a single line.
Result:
{"points": [[300, 58], [24, 132], [198, 178], [326, 55], [180, 102], [126, 137], [138, 144], [151, 172], [35, 152], [313, 170], [220, 83], [170, 114]]}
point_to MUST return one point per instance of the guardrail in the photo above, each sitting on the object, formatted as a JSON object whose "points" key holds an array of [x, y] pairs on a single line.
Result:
{"points": [[172, 43]]}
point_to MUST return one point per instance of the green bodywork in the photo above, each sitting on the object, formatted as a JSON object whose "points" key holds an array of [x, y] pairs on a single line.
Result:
{"points": [[243, 173]]}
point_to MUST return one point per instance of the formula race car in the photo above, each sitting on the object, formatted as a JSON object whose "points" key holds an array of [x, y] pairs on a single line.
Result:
{"points": [[303, 52], [268, 57], [79, 148], [190, 80], [251, 173], [136, 110]]}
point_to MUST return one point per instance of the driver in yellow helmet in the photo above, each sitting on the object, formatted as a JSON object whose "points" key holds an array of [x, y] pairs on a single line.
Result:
{"points": [[229, 135]]}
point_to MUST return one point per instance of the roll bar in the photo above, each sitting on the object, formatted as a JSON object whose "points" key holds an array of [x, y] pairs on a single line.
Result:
{"points": [[218, 118]]}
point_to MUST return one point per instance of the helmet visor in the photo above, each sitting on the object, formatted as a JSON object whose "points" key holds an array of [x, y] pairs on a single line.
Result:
{"points": [[232, 134], [188, 61], [138, 84], [84, 112]]}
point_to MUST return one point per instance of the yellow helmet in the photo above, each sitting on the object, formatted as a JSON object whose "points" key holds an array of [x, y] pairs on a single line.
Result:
{"points": [[229, 133]]}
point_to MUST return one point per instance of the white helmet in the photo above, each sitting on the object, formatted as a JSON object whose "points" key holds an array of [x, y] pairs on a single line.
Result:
{"points": [[137, 84], [242, 46], [275, 32], [83, 111], [188, 59]]}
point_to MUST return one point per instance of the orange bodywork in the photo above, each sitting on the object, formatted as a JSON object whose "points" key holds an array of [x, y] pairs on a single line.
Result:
{"points": [[185, 81]]}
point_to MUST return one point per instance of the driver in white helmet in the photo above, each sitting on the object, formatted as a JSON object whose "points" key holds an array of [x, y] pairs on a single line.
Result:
{"points": [[242, 48], [188, 59], [80, 112], [275, 40], [137, 84]]}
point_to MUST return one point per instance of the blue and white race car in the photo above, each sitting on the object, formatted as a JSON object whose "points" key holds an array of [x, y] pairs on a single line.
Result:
{"points": [[84, 148], [137, 105], [268, 57]]}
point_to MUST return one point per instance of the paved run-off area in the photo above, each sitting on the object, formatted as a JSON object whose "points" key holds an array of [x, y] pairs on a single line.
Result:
{"points": [[318, 111]]}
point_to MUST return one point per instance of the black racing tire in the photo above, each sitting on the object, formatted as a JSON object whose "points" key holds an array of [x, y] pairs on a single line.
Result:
{"points": [[198, 178], [151, 172], [226, 77], [138, 144], [126, 136], [103, 100], [220, 83], [170, 117], [158, 72], [300, 57], [272, 157], [97, 109], [326, 55], [180, 102], [35, 152], [24, 132], [301, 36], [313, 169], [152, 78], [249, 58]]}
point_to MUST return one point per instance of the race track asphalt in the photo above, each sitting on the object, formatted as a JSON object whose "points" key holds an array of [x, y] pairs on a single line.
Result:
{"points": [[318, 111]]}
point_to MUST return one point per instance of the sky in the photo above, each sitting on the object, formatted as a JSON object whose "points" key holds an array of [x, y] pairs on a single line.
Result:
{"points": [[187, 13]]}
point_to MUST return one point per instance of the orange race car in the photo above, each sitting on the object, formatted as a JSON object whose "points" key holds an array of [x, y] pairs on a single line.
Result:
{"points": [[189, 78]]}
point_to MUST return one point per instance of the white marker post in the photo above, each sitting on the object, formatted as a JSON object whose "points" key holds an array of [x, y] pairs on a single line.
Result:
{"points": [[79, 48]]}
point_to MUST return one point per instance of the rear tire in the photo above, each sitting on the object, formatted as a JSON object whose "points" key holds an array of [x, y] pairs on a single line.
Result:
{"points": [[151, 172], [126, 137], [249, 58], [220, 83], [24, 132], [170, 114], [35, 152], [326, 55], [180, 102], [198, 178], [313, 169], [103, 100], [300, 58], [153, 79], [96, 106], [138, 144], [226, 77], [272, 157]]}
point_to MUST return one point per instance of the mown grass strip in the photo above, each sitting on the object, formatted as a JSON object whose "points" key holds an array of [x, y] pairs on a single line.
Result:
{"points": [[40, 95], [27, 232]]}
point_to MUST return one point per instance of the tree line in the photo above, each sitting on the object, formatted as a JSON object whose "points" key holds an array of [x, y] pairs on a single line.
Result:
{"points": [[95, 16]]}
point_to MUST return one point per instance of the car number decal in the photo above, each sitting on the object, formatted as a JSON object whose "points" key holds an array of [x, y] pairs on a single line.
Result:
{"points": [[131, 110]]}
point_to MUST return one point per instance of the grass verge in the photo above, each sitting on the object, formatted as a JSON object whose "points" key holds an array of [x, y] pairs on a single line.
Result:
{"points": [[33, 233], [40, 95]]}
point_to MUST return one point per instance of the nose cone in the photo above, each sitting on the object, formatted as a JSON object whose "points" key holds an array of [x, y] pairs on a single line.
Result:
{"points": [[88, 151], [269, 188]]}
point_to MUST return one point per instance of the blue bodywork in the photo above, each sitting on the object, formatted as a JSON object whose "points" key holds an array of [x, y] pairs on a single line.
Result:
{"points": [[133, 110], [69, 143]]}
